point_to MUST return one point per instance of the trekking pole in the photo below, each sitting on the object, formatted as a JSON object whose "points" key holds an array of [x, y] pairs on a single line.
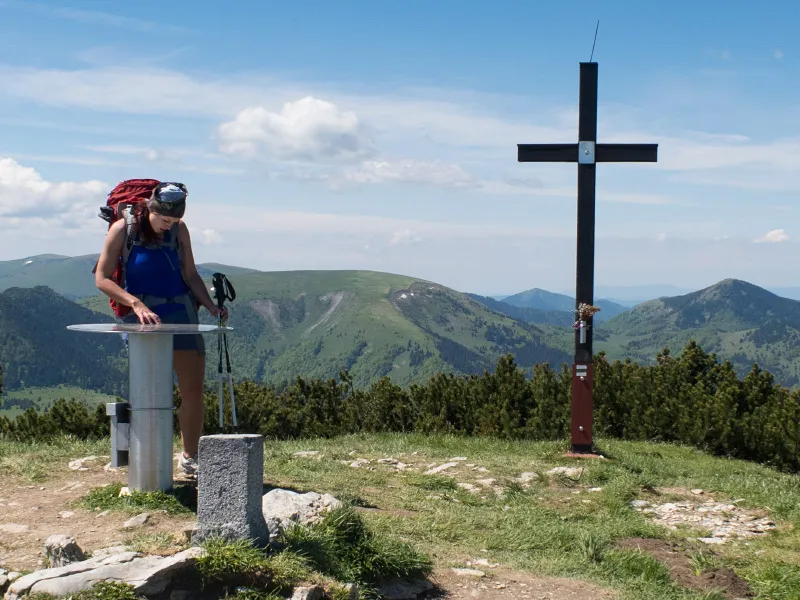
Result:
{"points": [[223, 290]]}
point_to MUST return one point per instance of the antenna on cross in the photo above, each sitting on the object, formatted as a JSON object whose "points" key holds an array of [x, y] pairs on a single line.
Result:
{"points": [[591, 56]]}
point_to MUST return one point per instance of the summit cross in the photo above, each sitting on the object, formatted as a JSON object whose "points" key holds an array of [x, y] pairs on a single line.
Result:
{"points": [[587, 153]]}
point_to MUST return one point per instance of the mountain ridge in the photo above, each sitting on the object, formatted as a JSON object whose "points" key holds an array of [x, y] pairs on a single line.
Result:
{"points": [[540, 299], [315, 324], [735, 319]]}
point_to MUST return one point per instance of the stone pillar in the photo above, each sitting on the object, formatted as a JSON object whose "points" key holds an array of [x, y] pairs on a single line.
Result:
{"points": [[230, 488]]}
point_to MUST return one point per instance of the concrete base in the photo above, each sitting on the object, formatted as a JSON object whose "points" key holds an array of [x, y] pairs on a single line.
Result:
{"points": [[230, 488]]}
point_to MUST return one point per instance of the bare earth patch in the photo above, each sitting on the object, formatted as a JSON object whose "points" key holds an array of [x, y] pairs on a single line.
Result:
{"points": [[679, 564], [30, 513], [500, 584]]}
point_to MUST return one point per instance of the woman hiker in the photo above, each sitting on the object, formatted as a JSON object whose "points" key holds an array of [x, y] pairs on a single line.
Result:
{"points": [[161, 284]]}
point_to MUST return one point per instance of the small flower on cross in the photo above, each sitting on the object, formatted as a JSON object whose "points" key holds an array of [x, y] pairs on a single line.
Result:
{"points": [[586, 311]]}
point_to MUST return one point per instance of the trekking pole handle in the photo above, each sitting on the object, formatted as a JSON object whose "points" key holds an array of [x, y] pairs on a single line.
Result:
{"points": [[222, 288]]}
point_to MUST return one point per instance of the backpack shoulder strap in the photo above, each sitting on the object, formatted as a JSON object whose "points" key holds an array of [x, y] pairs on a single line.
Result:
{"points": [[130, 240]]}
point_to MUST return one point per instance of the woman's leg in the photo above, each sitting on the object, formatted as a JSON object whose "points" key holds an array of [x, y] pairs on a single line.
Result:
{"points": [[190, 367]]}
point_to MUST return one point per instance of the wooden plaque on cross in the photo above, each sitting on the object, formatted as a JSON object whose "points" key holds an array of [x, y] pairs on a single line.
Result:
{"points": [[586, 153]]}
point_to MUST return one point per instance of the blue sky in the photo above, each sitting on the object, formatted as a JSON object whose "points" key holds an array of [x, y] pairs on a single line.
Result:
{"points": [[383, 136]]}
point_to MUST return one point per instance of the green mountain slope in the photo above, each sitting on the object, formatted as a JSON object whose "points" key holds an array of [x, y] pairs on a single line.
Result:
{"points": [[539, 316], [544, 300], [738, 321], [317, 323], [37, 350], [71, 276]]}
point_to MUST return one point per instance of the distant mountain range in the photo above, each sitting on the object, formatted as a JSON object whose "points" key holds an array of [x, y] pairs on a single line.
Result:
{"points": [[71, 276], [544, 300], [739, 321], [297, 324], [316, 323]]}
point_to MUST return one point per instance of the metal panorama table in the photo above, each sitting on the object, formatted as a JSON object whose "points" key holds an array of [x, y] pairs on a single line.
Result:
{"points": [[147, 438]]}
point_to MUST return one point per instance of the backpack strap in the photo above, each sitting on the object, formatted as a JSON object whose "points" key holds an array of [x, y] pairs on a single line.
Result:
{"points": [[171, 241], [129, 241]]}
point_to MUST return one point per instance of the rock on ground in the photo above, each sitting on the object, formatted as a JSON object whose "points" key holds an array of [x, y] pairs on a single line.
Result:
{"points": [[313, 592], [62, 550], [148, 575], [285, 508], [726, 520]]}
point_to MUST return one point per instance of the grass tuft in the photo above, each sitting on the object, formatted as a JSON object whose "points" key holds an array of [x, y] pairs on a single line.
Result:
{"points": [[775, 580], [104, 590], [342, 547], [175, 502]]}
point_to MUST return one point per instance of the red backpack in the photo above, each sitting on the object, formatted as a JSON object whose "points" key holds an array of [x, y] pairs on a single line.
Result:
{"points": [[118, 205]]}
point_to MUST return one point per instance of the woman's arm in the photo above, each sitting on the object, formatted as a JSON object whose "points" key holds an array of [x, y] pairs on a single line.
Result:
{"points": [[190, 274], [107, 264]]}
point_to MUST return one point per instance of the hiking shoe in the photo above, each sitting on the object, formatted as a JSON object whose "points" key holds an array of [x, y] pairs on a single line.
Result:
{"points": [[188, 465]]}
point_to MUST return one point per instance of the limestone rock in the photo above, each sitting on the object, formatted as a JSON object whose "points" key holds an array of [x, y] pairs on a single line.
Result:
{"points": [[313, 592], [566, 471], [109, 551], [725, 520], [287, 507], [14, 528], [527, 477], [137, 521], [441, 468], [148, 575], [62, 550], [308, 454], [77, 464], [469, 572]]}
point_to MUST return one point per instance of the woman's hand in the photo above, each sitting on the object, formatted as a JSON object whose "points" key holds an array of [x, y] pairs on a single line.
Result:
{"points": [[219, 313], [146, 316]]}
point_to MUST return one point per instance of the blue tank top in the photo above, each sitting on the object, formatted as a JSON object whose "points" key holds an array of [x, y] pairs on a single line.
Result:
{"points": [[156, 272]]}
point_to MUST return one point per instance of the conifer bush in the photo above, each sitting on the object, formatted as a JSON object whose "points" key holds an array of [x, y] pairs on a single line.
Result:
{"points": [[691, 399]]}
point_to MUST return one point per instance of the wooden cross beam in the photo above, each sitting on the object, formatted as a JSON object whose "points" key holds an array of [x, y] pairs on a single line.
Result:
{"points": [[586, 153]]}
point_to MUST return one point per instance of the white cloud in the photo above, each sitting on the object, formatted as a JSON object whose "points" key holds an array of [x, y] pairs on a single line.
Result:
{"points": [[778, 54], [450, 124], [308, 129], [228, 219], [409, 171], [24, 194], [774, 236], [661, 237], [405, 236], [209, 237], [131, 90]]}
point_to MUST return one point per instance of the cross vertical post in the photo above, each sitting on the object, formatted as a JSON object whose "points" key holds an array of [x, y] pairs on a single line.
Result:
{"points": [[586, 153]]}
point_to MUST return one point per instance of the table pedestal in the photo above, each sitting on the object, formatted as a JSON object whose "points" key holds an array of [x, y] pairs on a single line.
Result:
{"points": [[151, 410], [144, 424]]}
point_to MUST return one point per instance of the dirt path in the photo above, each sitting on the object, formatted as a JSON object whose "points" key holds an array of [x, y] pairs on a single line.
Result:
{"points": [[500, 584], [30, 513]]}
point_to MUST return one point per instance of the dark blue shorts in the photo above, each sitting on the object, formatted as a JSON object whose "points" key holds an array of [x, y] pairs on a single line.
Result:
{"points": [[179, 342]]}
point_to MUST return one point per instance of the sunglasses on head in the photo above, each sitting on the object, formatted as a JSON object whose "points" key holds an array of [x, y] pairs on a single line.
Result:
{"points": [[169, 199]]}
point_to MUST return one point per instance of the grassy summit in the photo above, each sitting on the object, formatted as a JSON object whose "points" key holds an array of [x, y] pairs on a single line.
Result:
{"points": [[513, 512]]}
